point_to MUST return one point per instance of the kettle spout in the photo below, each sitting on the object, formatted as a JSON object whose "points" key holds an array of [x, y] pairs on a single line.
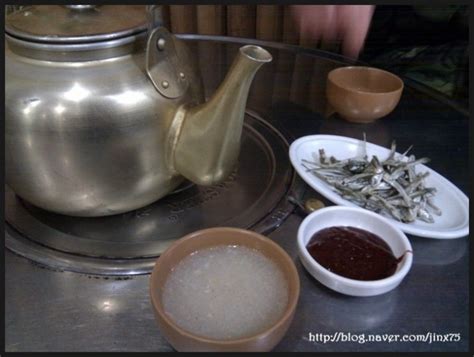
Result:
{"points": [[208, 143]]}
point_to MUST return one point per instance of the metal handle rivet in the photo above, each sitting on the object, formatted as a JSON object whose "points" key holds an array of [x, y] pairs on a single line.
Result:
{"points": [[165, 84], [161, 44], [181, 75]]}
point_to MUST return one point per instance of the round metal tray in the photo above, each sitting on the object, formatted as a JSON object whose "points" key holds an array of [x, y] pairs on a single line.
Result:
{"points": [[253, 197]]}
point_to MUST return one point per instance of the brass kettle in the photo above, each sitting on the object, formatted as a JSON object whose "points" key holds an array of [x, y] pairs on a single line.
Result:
{"points": [[105, 112]]}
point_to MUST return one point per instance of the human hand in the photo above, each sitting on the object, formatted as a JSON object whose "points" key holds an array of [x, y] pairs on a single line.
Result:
{"points": [[330, 23]]}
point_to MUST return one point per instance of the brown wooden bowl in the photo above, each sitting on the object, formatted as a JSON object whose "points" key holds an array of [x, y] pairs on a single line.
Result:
{"points": [[363, 94], [183, 340]]}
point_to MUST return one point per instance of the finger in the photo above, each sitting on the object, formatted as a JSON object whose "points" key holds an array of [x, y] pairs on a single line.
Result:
{"points": [[330, 38], [308, 20], [355, 31], [329, 25]]}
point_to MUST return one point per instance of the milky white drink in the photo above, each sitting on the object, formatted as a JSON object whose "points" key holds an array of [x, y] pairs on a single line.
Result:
{"points": [[225, 292]]}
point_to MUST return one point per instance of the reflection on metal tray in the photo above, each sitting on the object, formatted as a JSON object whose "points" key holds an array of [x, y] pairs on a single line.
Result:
{"points": [[126, 244]]}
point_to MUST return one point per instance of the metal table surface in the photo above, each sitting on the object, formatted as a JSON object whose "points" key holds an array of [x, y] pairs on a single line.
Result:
{"points": [[48, 310]]}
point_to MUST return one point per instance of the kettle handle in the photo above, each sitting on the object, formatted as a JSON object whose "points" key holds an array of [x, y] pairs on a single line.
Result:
{"points": [[154, 16]]}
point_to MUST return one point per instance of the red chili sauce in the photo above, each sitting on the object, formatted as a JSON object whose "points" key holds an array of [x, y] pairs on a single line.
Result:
{"points": [[353, 253]]}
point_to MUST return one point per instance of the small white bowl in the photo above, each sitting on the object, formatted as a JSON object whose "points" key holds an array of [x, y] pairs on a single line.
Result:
{"points": [[363, 219]]}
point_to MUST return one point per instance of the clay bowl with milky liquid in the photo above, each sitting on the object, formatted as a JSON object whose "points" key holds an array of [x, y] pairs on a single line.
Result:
{"points": [[362, 94], [186, 341]]}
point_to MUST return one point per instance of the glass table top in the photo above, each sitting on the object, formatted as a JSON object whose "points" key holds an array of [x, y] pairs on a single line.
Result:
{"points": [[49, 310]]}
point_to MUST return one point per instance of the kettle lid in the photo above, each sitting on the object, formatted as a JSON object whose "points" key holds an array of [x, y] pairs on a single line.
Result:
{"points": [[76, 23]]}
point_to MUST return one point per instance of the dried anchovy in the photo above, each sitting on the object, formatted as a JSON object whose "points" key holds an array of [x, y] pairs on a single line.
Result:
{"points": [[390, 186]]}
